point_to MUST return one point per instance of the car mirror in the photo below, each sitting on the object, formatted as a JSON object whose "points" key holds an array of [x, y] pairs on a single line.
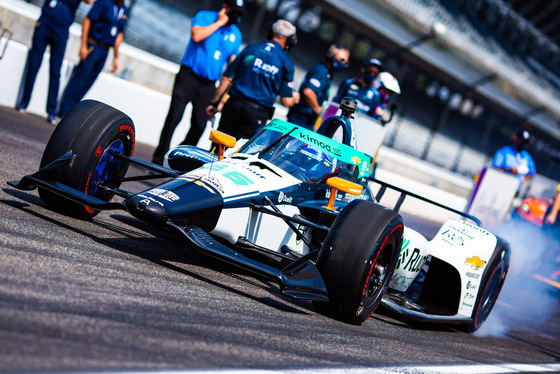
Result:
{"points": [[223, 140], [337, 183]]}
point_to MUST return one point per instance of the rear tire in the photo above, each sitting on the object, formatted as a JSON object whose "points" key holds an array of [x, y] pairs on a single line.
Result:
{"points": [[358, 258], [89, 130], [492, 281]]}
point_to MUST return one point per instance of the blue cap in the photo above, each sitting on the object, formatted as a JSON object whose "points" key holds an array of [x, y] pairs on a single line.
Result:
{"points": [[373, 62]]}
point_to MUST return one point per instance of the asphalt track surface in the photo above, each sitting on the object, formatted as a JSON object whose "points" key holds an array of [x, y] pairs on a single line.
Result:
{"points": [[115, 294]]}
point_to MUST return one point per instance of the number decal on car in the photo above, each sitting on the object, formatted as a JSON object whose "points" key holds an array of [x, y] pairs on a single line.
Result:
{"points": [[238, 178]]}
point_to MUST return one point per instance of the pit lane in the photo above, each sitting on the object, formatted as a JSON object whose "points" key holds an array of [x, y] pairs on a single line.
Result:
{"points": [[117, 294]]}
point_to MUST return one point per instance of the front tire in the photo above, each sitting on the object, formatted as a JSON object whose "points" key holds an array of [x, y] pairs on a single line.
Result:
{"points": [[89, 130], [492, 281], [358, 258]]}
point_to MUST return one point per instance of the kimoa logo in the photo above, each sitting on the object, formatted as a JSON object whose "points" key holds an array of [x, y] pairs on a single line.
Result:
{"points": [[320, 144]]}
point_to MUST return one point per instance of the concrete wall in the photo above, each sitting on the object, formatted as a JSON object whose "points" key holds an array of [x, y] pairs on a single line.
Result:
{"points": [[135, 65], [147, 107]]}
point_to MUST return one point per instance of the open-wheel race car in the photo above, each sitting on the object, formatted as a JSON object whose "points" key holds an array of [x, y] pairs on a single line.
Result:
{"points": [[291, 205]]}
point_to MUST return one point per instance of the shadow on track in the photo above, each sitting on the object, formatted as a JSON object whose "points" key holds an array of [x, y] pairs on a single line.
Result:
{"points": [[159, 246]]}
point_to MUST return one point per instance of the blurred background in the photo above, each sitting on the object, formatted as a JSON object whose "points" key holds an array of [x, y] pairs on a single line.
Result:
{"points": [[472, 72]]}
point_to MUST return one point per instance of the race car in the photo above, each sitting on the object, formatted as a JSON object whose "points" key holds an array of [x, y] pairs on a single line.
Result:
{"points": [[291, 205]]}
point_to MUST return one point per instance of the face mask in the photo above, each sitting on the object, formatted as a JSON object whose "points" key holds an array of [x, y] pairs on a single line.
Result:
{"points": [[522, 146], [234, 18], [338, 65], [368, 78]]}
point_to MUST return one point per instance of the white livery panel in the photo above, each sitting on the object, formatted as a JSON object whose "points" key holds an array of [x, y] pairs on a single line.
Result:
{"points": [[468, 249], [237, 179], [413, 256]]}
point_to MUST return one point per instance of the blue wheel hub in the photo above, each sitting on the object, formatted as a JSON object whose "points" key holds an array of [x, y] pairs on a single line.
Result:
{"points": [[108, 166]]}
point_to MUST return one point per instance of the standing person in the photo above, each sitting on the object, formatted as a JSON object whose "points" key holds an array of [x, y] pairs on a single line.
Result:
{"points": [[315, 88], [515, 159], [50, 29], [361, 89], [387, 85], [259, 74], [215, 40], [101, 29]]}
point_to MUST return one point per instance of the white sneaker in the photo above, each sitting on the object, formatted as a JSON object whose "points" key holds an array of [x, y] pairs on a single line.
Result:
{"points": [[53, 120]]}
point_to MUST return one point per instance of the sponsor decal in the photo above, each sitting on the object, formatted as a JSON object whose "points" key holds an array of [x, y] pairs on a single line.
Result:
{"points": [[467, 305], [451, 237], [456, 235], [238, 178], [206, 182], [333, 148], [472, 275], [475, 262], [264, 67], [255, 173], [401, 280], [283, 198], [411, 259], [415, 261], [127, 128], [319, 143], [356, 160], [363, 107], [471, 286], [354, 197], [147, 199], [303, 229], [309, 154], [404, 246], [164, 194], [315, 82], [468, 296], [469, 227], [72, 160]]}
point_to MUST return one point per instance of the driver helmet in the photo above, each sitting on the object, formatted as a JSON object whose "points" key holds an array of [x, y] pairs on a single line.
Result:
{"points": [[314, 163], [387, 80]]}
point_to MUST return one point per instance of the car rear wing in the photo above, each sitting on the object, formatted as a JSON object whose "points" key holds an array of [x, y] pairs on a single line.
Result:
{"points": [[404, 193]]}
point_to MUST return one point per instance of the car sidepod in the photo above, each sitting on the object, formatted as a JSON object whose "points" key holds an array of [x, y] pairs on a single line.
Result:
{"points": [[467, 250], [412, 257]]}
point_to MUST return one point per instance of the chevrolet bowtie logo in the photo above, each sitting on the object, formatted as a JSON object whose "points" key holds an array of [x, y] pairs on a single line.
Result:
{"points": [[475, 262], [355, 159]]}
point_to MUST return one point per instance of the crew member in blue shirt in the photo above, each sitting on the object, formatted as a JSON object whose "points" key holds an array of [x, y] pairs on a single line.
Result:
{"points": [[515, 159], [316, 86], [102, 29], [215, 41], [50, 29], [254, 79], [361, 88]]}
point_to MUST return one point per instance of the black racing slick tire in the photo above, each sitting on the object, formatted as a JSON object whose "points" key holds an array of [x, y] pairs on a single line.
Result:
{"points": [[89, 130], [358, 258], [490, 286]]}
